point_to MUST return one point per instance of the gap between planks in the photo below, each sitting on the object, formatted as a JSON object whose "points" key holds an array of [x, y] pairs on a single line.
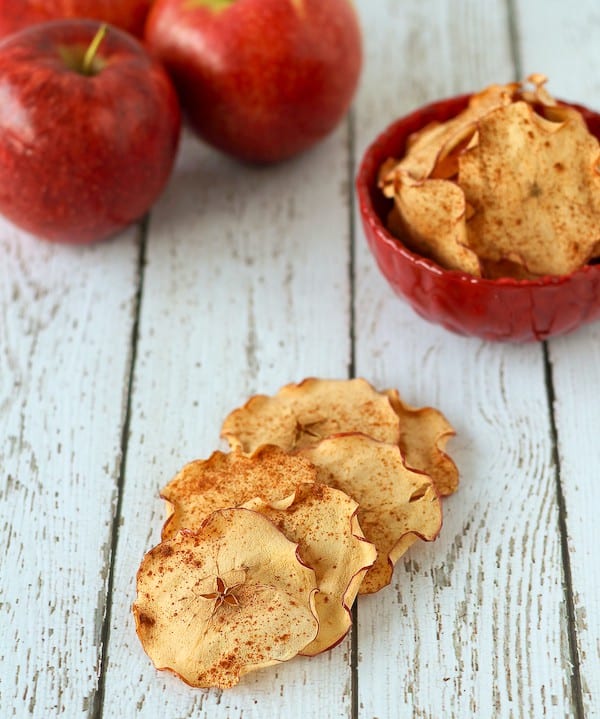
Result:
{"points": [[575, 678], [98, 702], [576, 685]]}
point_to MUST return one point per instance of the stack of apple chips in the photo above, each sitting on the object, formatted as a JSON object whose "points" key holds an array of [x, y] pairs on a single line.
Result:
{"points": [[265, 548]]}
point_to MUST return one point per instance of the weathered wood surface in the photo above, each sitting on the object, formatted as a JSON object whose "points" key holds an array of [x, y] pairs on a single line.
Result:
{"points": [[249, 279], [65, 348]]}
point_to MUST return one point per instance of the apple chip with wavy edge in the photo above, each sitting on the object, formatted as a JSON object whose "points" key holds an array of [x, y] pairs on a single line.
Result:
{"points": [[232, 598], [430, 216], [534, 185], [302, 414], [396, 504], [323, 522], [433, 151], [424, 433], [228, 480]]}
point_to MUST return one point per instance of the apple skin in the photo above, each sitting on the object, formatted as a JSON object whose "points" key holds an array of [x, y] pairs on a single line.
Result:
{"points": [[261, 80], [129, 15], [81, 157]]}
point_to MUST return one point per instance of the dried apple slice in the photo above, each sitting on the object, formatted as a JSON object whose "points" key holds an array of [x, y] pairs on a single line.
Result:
{"points": [[323, 522], [496, 269], [430, 150], [542, 101], [302, 414], [228, 480], [535, 187], [232, 598], [395, 503], [424, 433], [432, 214]]}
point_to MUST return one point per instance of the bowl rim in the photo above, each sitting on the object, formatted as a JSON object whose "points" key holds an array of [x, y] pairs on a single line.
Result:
{"points": [[369, 165]]}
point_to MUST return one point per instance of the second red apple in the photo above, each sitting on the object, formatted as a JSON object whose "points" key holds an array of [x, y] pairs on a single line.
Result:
{"points": [[129, 15], [260, 79]]}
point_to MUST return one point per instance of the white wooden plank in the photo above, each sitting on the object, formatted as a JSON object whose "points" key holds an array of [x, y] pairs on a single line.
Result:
{"points": [[246, 288], [572, 62], [561, 42], [65, 337], [474, 624], [576, 372]]}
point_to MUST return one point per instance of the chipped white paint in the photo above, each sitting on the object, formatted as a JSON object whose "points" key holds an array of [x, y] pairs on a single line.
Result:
{"points": [[247, 287], [65, 339], [576, 370]]}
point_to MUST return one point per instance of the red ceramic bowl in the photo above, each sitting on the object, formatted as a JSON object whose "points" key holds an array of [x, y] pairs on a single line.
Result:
{"points": [[504, 309]]}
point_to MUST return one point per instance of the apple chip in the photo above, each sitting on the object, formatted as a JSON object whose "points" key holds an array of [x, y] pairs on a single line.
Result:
{"points": [[425, 150], [323, 522], [433, 151], [232, 598], [228, 480], [542, 101], [424, 433], [433, 215], [396, 504], [495, 269], [535, 188], [302, 414]]}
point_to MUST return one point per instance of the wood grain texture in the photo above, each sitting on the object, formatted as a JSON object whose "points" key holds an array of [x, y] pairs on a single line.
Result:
{"points": [[474, 624], [65, 340], [575, 363], [572, 63], [561, 42], [246, 288]]}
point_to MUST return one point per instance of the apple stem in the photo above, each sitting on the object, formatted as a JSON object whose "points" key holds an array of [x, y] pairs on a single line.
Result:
{"points": [[90, 53]]}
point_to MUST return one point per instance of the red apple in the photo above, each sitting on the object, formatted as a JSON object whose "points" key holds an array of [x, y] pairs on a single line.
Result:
{"points": [[83, 151], [126, 14], [259, 79]]}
